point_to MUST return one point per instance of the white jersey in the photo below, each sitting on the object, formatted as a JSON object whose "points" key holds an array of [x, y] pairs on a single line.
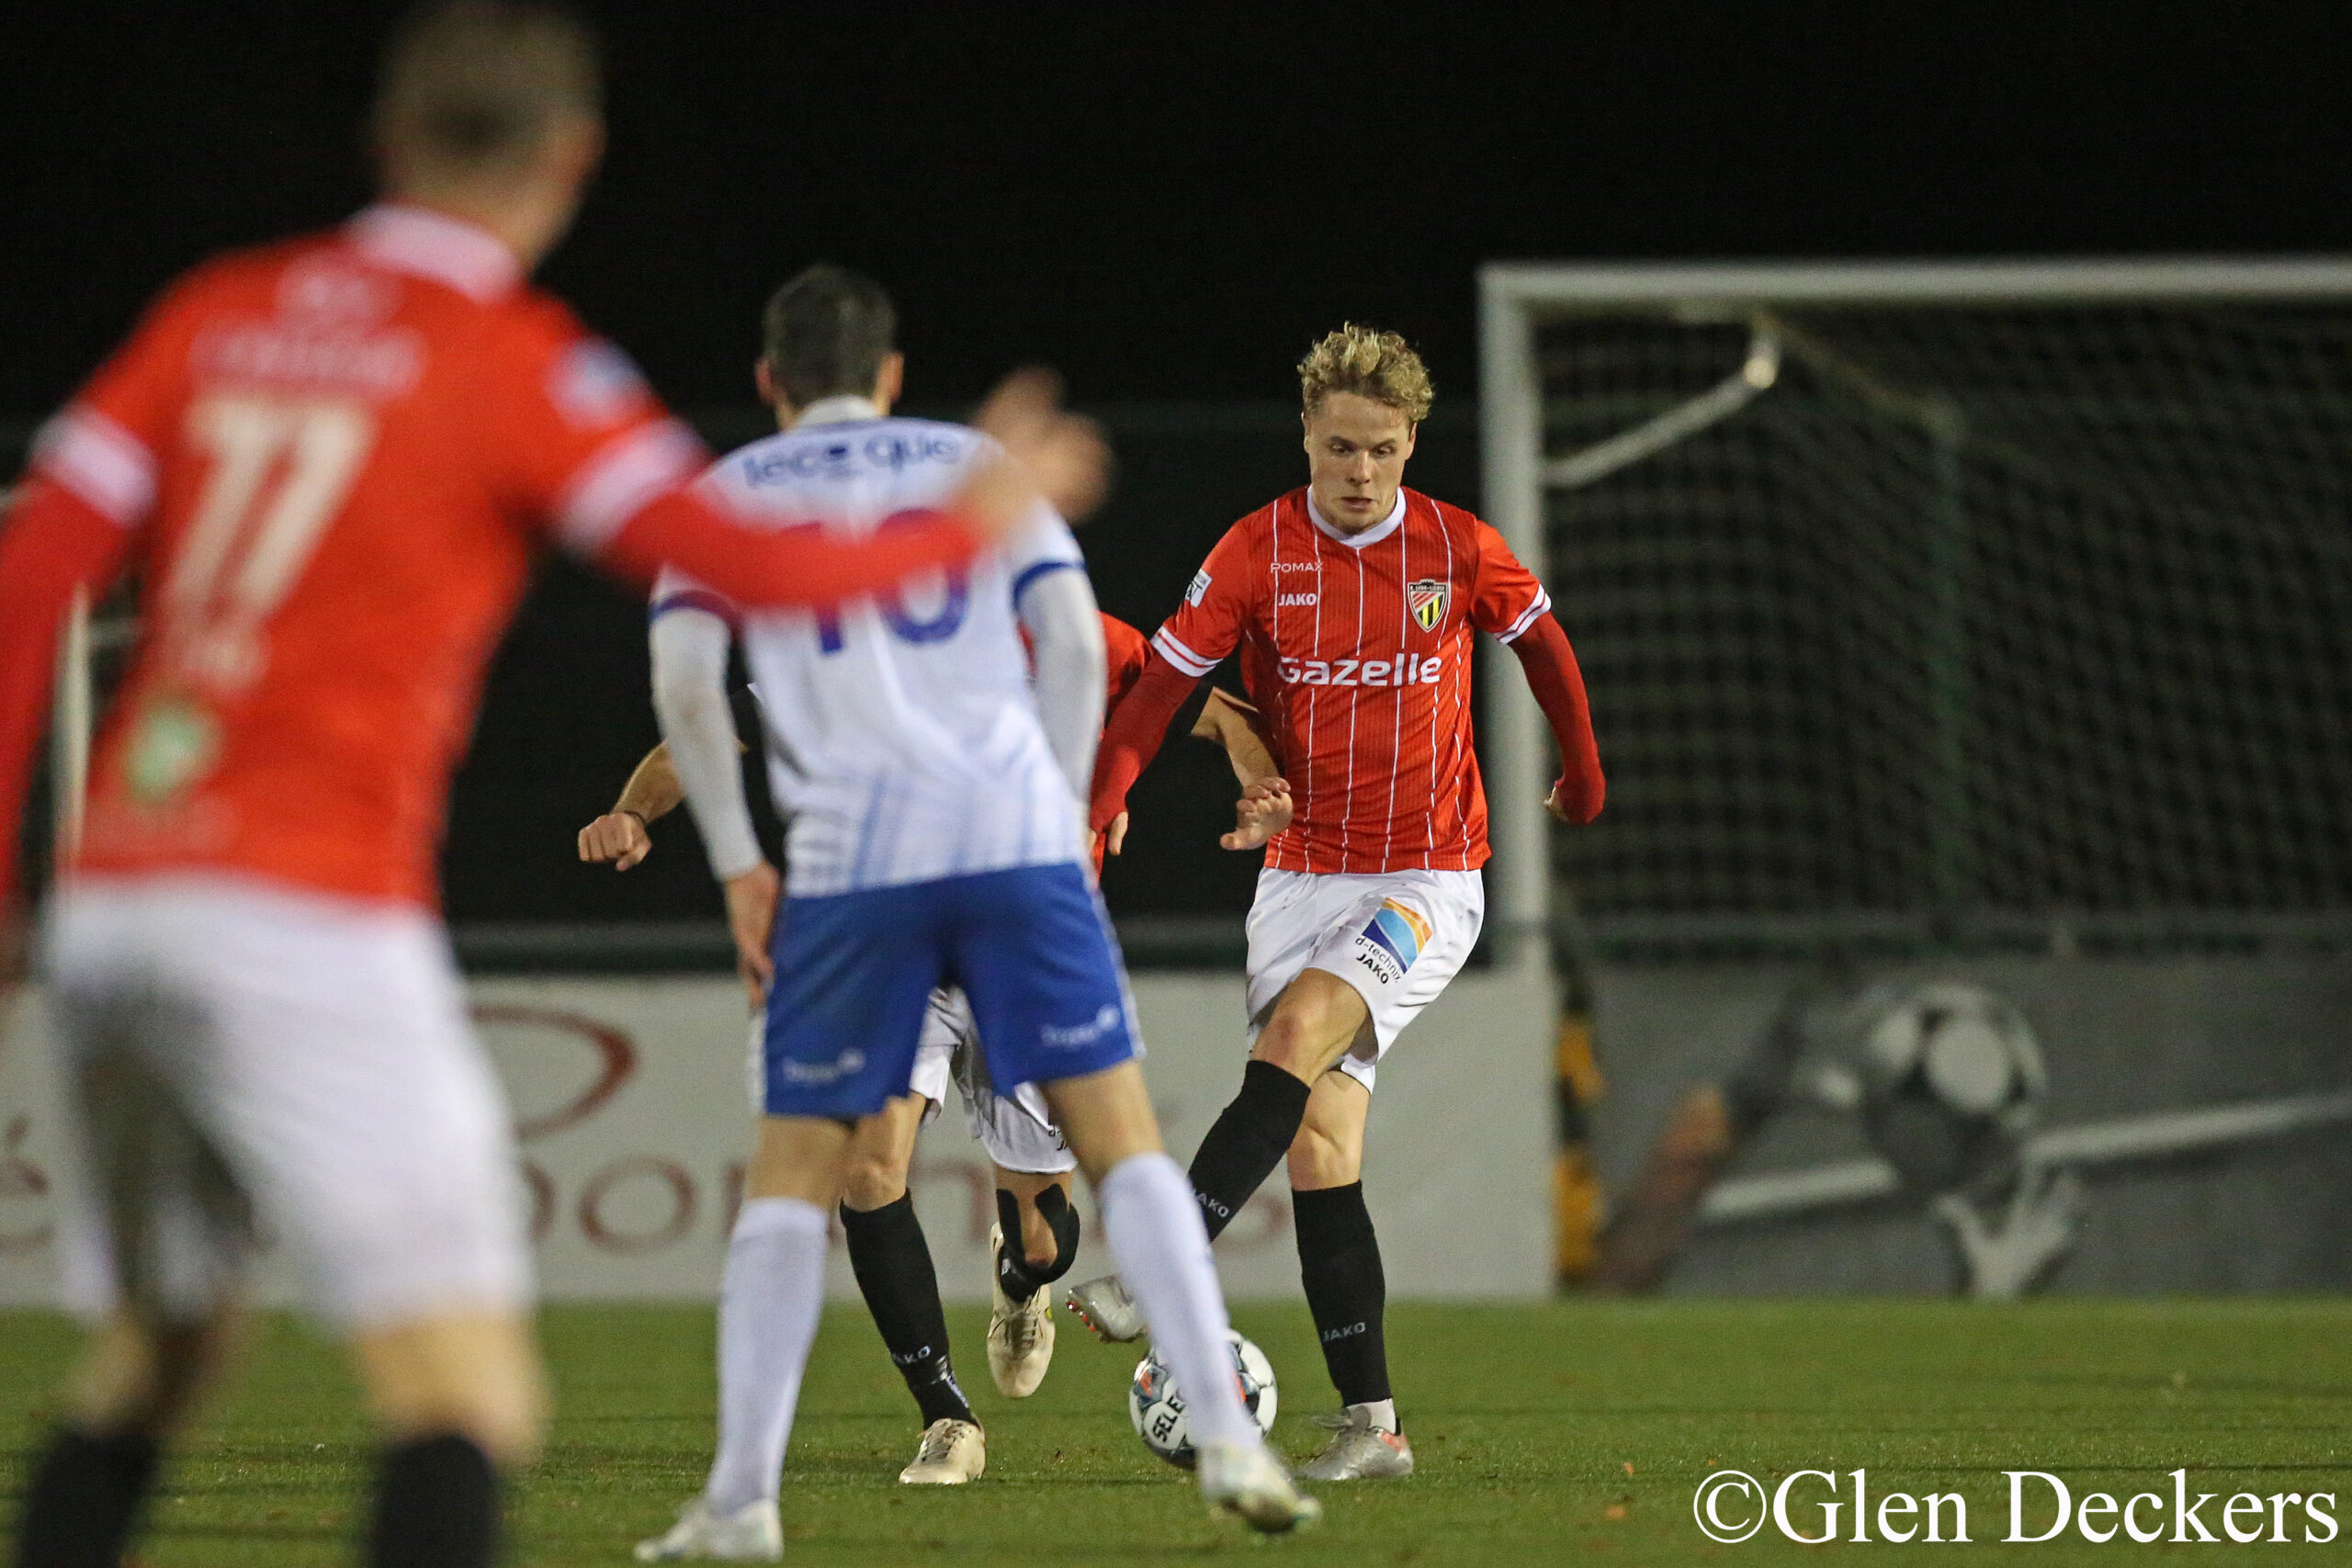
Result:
{"points": [[902, 739]]}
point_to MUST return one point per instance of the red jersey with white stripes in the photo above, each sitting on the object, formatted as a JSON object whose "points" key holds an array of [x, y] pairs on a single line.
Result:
{"points": [[351, 445], [1357, 649], [335, 459]]}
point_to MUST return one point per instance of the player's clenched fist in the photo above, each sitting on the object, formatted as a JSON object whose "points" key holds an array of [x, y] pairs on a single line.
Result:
{"points": [[1048, 452], [618, 837], [1262, 811]]}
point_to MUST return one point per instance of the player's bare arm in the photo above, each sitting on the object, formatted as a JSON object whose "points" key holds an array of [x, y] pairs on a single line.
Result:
{"points": [[620, 836], [1264, 806]]}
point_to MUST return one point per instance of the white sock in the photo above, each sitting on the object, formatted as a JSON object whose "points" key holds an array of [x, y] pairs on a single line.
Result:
{"points": [[1152, 1224], [768, 1301], [1382, 1410]]}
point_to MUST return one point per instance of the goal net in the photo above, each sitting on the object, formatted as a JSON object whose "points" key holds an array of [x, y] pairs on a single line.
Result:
{"points": [[1944, 597]]}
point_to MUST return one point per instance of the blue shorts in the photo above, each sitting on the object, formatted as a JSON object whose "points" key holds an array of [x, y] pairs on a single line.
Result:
{"points": [[1032, 948]]}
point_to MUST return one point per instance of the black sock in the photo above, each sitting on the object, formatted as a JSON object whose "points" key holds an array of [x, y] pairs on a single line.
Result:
{"points": [[1015, 1275], [1339, 1263], [83, 1498], [892, 1262], [1248, 1140], [437, 1506]]}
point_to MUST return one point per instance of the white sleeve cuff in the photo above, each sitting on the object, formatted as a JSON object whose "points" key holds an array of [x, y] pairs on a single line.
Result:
{"points": [[1527, 618], [1176, 653], [98, 461], [621, 479]]}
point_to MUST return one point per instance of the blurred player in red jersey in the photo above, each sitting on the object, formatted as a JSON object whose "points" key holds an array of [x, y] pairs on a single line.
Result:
{"points": [[332, 460], [1352, 602]]}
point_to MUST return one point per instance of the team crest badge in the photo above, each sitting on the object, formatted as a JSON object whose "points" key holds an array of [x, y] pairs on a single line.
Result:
{"points": [[1426, 600]]}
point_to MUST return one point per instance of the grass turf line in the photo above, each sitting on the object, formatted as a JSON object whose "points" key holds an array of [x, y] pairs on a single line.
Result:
{"points": [[1524, 1419]]}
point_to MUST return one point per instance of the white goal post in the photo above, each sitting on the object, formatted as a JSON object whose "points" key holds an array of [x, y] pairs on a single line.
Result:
{"points": [[1527, 475]]}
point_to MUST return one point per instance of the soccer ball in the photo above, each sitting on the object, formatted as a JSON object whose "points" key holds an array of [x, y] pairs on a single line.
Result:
{"points": [[1157, 1406], [1952, 1080]]}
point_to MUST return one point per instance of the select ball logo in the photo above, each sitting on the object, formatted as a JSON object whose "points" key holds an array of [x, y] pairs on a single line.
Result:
{"points": [[1155, 1406]]}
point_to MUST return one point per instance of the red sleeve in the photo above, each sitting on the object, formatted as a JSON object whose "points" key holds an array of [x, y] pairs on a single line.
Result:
{"points": [[1127, 654], [1216, 607], [53, 542], [802, 565], [1132, 737], [1551, 674], [92, 488], [1507, 597]]}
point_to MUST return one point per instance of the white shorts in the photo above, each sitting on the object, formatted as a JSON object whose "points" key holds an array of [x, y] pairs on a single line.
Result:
{"points": [[1399, 937], [1016, 1129], [246, 1060]]}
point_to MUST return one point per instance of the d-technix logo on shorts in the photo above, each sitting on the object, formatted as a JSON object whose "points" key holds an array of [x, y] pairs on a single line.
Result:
{"points": [[1816, 1507]]}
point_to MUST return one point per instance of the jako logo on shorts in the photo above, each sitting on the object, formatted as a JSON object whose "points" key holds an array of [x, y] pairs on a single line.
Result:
{"points": [[1397, 930]]}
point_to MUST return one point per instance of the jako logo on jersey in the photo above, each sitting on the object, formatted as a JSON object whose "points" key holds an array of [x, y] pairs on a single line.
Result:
{"points": [[1199, 591], [1103, 1021], [1393, 939], [1426, 600], [1405, 670], [1293, 599]]}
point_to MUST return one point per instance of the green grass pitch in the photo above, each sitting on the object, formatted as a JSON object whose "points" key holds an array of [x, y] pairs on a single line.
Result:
{"points": [[1545, 1433]]}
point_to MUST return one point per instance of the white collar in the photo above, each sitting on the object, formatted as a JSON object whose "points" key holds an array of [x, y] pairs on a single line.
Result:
{"points": [[419, 240], [840, 410], [1370, 535]]}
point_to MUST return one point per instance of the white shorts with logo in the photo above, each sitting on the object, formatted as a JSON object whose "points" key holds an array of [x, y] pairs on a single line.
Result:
{"points": [[1399, 937], [249, 1059], [1015, 1129]]}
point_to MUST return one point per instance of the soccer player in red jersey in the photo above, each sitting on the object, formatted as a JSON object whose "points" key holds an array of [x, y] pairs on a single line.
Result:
{"points": [[1354, 604], [332, 460]]}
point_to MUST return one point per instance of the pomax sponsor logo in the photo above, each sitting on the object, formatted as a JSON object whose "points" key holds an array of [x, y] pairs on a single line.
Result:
{"points": [[1816, 1507]]}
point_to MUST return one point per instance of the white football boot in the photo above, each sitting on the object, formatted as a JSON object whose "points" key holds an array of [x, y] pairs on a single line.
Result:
{"points": [[1247, 1481], [750, 1534], [1021, 1336], [1106, 1309], [1360, 1449], [951, 1454]]}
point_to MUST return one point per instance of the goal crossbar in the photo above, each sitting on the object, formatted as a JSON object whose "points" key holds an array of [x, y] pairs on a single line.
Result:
{"points": [[1551, 287], [1516, 298]]}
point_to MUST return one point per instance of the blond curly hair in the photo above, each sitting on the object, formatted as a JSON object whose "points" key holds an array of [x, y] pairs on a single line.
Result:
{"points": [[1370, 363]]}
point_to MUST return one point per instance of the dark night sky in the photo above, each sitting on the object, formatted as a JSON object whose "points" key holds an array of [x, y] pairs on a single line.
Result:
{"points": [[1166, 201], [1170, 200]]}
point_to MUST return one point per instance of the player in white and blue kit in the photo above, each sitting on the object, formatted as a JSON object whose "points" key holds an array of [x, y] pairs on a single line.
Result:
{"points": [[937, 836]]}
